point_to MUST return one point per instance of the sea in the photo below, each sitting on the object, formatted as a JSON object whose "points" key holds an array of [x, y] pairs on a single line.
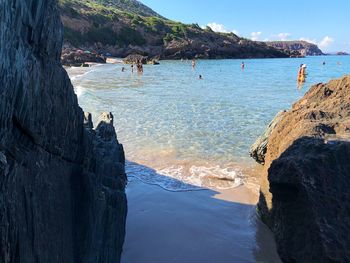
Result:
{"points": [[184, 133]]}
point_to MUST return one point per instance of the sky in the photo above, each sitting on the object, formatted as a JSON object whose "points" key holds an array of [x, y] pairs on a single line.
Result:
{"points": [[324, 22]]}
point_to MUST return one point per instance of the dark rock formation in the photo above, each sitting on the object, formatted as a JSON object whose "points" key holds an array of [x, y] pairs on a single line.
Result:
{"points": [[61, 183], [135, 58], [77, 57], [303, 47], [304, 190], [259, 148]]}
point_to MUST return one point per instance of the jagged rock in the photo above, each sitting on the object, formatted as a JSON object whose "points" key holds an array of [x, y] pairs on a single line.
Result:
{"points": [[153, 62], [135, 58], [304, 189], [88, 121], [62, 184], [105, 128], [259, 148], [77, 57]]}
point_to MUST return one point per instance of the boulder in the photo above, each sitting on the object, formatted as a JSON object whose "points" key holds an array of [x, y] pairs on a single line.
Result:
{"points": [[76, 57], [62, 184], [259, 148], [304, 194], [135, 58]]}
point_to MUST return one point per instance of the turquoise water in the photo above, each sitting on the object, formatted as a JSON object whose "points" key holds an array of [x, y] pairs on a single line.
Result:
{"points": [[191, 129]]}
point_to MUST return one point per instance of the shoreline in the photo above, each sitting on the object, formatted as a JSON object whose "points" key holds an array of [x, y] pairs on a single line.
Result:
{"points": [[195, 226], [119, 61]]}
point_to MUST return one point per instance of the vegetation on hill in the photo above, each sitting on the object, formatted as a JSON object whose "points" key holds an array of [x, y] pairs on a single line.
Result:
{"points": [[131, 6], [101, 20], [121, 27]]}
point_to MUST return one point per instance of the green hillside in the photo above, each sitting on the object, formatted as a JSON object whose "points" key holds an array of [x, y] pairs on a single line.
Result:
{"points": [[131, 6], [122, 27]]}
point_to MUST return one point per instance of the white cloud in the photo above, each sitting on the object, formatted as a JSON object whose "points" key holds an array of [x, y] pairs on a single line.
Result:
{"points": [[255, 35], [326, 42], [283, 36], [322, 44], [312, 41], [216, 27]]}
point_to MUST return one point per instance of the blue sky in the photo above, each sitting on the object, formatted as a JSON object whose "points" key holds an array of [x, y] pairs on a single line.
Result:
{"points": [[323, 22]]}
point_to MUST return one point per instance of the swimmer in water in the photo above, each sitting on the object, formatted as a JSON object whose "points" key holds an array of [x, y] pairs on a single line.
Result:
{"points": [[242, 65]]}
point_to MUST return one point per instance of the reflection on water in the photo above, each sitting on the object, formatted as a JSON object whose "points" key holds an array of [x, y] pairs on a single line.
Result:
{"points": [[196, 130]]}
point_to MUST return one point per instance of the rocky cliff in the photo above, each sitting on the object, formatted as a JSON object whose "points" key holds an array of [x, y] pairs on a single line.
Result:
{"points": [[107, 27], [304, 191], [303, 47], [61, 182]]}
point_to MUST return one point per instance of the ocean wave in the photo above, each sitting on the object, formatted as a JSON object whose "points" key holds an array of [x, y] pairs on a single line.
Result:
{"points": [[82, 75], [178, 178]]}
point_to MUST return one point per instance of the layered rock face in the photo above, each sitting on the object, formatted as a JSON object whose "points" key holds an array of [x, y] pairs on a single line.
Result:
{"points": [[304, 191], [303, 47], [61, 182]]}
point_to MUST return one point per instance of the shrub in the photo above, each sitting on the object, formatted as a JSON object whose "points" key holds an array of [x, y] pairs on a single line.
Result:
{"points": [[128, 35]]}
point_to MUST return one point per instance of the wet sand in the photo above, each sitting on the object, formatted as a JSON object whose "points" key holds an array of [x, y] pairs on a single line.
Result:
{"points": [[198, 226]]}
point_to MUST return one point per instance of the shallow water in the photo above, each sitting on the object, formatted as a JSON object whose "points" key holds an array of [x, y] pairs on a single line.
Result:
{"points": [[198, 131]]}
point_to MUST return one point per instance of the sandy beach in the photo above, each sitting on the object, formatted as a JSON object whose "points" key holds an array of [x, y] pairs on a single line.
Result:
{"points": [[196, 226]]}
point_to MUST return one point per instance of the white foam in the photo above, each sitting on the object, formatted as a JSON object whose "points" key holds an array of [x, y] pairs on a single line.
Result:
{"points": [[150, 176], [81, 75], [180, 178], [79, 90], [216, 176]]}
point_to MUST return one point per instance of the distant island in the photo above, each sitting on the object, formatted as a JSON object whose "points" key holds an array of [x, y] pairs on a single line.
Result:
{"points": [[341, 53]]}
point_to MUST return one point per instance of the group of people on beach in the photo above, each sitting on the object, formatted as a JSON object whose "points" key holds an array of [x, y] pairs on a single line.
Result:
{"points": [[139, 67]]}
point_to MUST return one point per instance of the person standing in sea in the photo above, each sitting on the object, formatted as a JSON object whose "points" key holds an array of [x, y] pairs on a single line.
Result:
{"points": [[242, 65], [302, 74], [193, 63], [139, 67]]}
